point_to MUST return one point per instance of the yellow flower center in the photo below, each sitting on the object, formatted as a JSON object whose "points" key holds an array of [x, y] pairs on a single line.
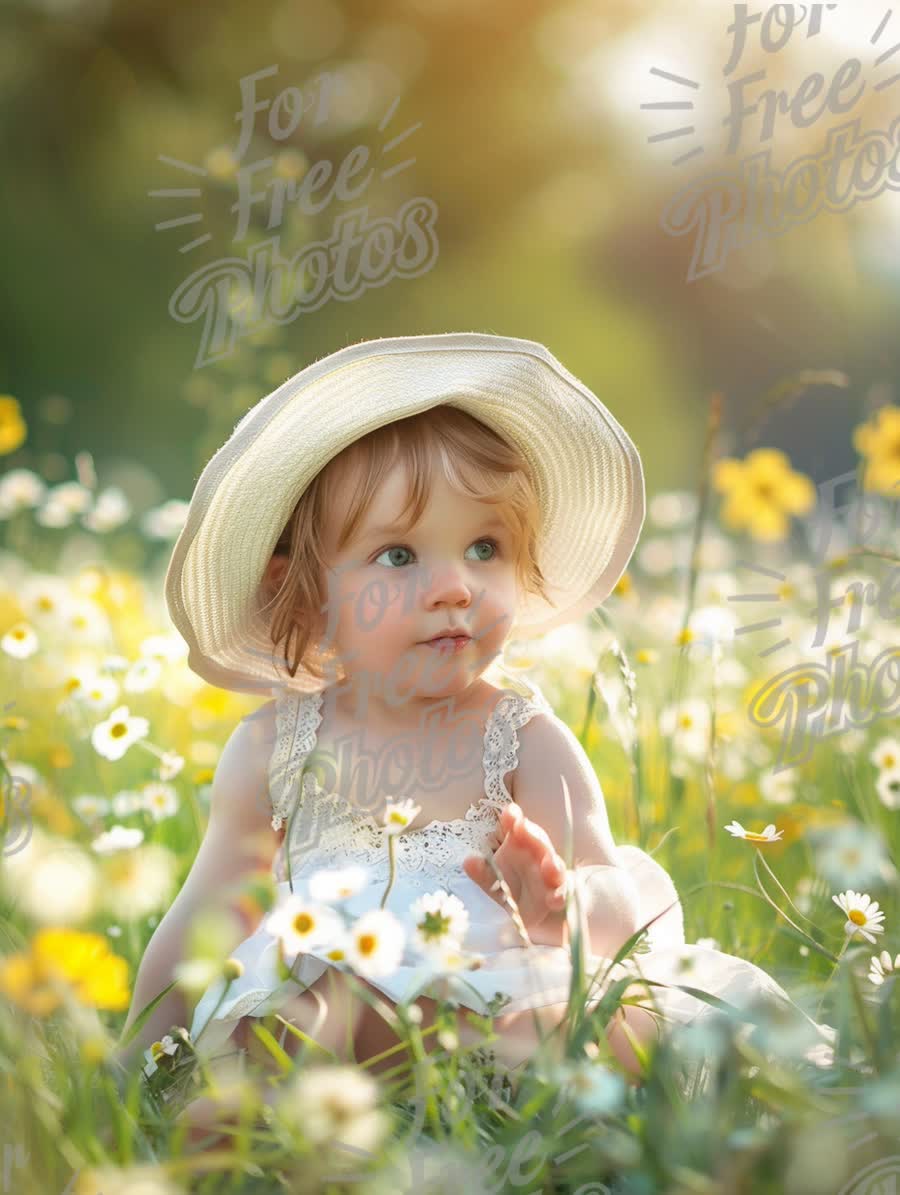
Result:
{"points": [[303, 923], [398, 818], [856, 917], [685, 721], [121, 869], [367, 943], [117, 730], [756, 837], [19, 633], [336, 955], [45, 603], [889, 760]]}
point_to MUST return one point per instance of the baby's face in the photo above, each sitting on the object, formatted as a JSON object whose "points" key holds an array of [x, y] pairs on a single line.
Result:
{"points": [[389, 594]]}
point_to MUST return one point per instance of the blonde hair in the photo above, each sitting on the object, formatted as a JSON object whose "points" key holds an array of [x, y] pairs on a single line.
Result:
{"points": [[476, 461]]}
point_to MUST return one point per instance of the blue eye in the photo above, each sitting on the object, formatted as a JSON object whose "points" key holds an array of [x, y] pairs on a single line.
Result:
{"points": [[484, 559]]}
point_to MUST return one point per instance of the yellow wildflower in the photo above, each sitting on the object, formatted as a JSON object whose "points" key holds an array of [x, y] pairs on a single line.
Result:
{"points": [[65, 958], [761, 492], [879, 442], [13, 429]]}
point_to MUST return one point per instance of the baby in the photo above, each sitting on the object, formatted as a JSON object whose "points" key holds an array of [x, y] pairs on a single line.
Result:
{"points": [[420, 531], [363, 547]]}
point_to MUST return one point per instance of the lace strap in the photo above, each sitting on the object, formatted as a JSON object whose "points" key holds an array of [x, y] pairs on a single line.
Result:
{"points": [[297, 719], [501, 742]]}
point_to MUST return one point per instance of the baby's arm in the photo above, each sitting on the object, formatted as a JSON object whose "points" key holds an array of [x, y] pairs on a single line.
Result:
{"points": [[548, 754], [239, 839]]}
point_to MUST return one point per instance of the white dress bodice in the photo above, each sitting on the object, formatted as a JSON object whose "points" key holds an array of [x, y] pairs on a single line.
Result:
{"points": [[326, 830]]}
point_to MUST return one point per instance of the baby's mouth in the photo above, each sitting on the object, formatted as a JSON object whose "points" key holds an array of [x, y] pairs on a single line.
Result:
{"points": [[448, 642]]}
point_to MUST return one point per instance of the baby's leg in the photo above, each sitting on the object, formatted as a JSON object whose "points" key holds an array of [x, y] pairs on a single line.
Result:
{"points": [[327, 1012], [517, 1035]]}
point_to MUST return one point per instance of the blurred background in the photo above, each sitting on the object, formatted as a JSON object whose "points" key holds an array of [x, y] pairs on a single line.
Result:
{"points": [[523, 126]]}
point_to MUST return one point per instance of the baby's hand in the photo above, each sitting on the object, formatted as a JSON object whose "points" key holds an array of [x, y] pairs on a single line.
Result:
{"points": [[528, 863]]}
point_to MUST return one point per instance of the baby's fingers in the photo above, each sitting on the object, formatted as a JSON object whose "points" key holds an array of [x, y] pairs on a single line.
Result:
{"points": [[480, 871]]}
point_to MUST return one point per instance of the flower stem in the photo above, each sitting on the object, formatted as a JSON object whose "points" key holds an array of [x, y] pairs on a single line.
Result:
{"points": [[393, 869], [837, 963]]}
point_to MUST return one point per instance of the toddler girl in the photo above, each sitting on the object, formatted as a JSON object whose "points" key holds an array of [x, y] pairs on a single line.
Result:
{"points": [[362, 548]]}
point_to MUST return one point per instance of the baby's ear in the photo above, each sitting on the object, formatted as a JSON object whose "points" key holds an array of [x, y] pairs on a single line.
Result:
{"points": [[275, 572]]}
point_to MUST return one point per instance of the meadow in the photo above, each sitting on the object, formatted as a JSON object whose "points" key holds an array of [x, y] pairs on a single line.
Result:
{"points": [[766, 781]]}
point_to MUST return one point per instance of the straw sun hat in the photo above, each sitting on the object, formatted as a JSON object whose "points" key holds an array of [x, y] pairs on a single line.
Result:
{"points": [[587, 475]]}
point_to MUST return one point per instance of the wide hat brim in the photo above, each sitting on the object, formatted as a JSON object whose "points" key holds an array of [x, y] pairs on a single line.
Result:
{"points": [[587, 474]]}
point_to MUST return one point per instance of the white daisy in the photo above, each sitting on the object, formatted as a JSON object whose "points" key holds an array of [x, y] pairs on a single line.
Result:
{"points": [[92, 689], [881, 967], [112, 738], [375, 943], [301, 925], [126, 802], [55, 883], [688, 725], [851, 853], [54, 514], [439, 918], [778, 788], [672, 508], [87, 623], [886, 755], [334, 1107], [769, 834], [45, 600], [888, 788], [20, 488], [114, 663], [863, 914], [158, 1051], [160, 800], [398, 815], [164, 647], [140, 881], [89, 806], [166, 521], [337, 951], [656, 557], [712, 624], [170, 765], [119, 838], [449, 956], [142, 675], [111, 509], [72, 496], [338, 883], [595, 1088], [20, 641]]}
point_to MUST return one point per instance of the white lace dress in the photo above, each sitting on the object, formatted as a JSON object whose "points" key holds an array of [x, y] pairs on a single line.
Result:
{"points": [[327, 831]]}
